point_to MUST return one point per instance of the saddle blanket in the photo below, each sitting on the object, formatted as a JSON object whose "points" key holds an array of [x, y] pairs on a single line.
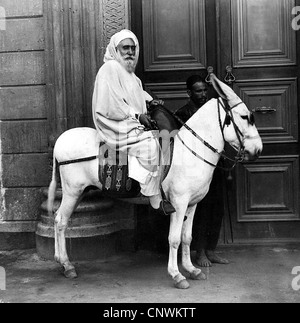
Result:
{"points": [[113, 175]]}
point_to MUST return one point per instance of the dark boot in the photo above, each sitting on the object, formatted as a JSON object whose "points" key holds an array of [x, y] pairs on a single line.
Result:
{"points": [[165, 208]]}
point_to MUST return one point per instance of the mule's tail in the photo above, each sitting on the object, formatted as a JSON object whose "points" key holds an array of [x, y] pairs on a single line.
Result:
{"points": [[52, 187]]}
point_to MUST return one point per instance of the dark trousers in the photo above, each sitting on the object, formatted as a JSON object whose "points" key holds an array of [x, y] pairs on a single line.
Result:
{"points": [[209, 216]]}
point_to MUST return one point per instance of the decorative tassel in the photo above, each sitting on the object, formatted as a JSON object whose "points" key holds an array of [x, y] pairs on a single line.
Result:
{"points": [[230, 178]]}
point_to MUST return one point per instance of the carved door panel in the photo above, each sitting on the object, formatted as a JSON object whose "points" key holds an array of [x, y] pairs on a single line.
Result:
{"points": [[255, 38], [261, 47], [175, 44]]}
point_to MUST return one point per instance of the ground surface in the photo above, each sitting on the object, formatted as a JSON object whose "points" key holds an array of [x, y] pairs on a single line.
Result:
{"points": [[258, 275]]}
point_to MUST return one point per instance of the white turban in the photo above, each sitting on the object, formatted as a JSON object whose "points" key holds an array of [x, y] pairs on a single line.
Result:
{"points": [[111, 51]]}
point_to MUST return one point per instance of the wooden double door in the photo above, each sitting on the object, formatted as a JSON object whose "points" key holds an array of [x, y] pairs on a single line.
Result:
{"points": [[251, 44]]}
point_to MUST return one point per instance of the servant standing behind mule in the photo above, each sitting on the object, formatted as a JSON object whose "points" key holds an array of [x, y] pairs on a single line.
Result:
{"points": [[208, 218]]}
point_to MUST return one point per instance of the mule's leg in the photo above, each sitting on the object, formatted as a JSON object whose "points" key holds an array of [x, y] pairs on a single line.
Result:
{"points": [[56, 256], [68, 205], [174, 241], [195, 273], [56, 236]]}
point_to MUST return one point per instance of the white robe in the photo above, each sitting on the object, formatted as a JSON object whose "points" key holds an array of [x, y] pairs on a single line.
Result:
{"points": [[118, 97]]}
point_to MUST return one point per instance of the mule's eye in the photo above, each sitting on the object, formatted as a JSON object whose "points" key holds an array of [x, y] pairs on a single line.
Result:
{"points": [[245, 117]]}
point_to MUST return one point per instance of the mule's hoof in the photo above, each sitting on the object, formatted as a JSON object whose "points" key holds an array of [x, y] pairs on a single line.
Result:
{"points": [[182, 285], [70, 274], [198, 276], [181, 282]]}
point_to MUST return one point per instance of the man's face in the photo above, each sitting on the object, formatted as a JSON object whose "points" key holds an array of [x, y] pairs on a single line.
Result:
{"points": [[127, 52], [199, 93]]}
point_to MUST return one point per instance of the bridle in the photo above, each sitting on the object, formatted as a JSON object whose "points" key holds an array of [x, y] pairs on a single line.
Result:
{"points": [[227, 121]]}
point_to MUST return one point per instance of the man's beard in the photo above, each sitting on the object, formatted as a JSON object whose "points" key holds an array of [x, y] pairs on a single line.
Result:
{"points": [[129, 63]]}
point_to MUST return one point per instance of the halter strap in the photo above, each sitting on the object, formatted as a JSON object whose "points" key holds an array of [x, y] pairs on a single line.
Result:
{"points": [[236, 128], [239, 157], [206, 161], [235, 106], [226, 107], [75, 161], [214, 150]]}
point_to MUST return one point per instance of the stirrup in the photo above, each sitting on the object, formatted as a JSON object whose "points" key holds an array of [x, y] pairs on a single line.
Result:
{"points": [[165, 208]]}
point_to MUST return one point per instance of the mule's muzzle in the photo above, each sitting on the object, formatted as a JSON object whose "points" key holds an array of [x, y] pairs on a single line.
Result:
{"points": [[252, 156]]}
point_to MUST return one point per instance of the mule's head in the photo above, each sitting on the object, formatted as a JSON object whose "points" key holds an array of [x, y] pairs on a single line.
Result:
{"points": [[240, 130]]}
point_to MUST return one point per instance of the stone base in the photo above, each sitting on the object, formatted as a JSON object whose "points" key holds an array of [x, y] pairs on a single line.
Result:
{"points": [[17, 241], [80, 248], [93, 248], [96, 229]]}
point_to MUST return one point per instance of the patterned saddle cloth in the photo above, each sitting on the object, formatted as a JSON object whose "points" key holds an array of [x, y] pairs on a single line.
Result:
{"points": [[113, 175]]}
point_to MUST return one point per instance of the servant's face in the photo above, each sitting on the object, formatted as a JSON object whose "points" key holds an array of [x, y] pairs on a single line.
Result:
{"points": [[127, 52], [199, 93]]}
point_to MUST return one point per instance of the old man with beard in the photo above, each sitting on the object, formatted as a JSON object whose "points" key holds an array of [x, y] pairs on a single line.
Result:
{"points": [[120, 116]]}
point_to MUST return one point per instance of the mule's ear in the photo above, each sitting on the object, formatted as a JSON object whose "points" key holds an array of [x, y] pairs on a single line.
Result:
{"points": [[224, 90], [216, 84]]}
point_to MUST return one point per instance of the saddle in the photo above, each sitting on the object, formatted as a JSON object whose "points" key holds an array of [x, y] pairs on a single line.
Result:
{"points": [[113, 174]]}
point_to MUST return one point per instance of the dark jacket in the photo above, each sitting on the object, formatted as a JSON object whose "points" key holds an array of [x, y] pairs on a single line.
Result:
{"points": [[186, 112]]}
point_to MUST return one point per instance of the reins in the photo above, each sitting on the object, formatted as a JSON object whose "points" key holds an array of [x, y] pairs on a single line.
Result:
{"points": [[238, 159], [206, 161]]}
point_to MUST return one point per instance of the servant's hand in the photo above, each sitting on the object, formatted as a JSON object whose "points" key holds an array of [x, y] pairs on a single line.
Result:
{"points": [[157, 102]]}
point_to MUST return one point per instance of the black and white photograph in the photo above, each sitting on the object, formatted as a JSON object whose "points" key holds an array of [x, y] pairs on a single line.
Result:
{"points": [[149, 154]]}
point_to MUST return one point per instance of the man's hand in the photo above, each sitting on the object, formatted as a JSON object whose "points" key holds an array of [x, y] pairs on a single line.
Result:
{"points": [[147, 122], [157, 102]]}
